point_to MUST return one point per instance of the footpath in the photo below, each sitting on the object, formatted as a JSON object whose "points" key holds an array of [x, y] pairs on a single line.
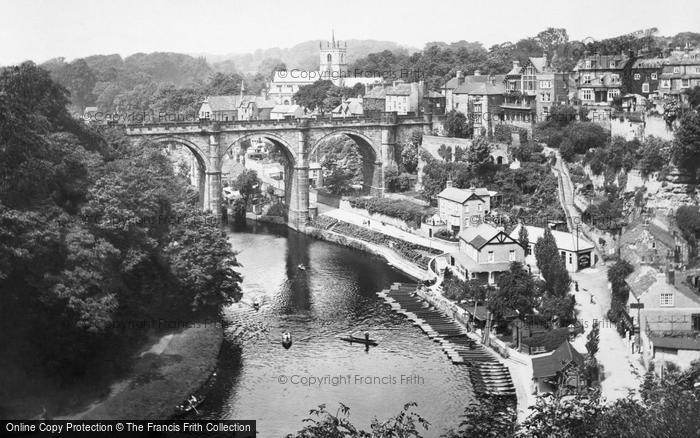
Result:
{"points": [[620, 369]]}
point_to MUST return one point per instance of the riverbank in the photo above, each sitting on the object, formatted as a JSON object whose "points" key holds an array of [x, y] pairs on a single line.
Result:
{"points": [[391, 257], [520, 371], [163, 376]]}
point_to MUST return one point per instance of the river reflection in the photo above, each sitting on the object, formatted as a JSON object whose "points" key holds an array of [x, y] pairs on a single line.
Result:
{"points": [[335, 295]]}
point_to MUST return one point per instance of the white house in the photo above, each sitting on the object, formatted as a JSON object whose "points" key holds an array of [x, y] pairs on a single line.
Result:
{"points": [[575, 250], [484, 252], [462, 208]]}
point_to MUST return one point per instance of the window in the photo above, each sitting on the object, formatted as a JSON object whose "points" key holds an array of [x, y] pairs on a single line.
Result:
{"points": [[637, 76], [587, 94], [612, 64], [676, 69], [545, 97], [666, 299], [586, 79], [511, 256], [613, 93], [615, 79], [491, 257], [587, 64], [685, 83], [697, 69], [645, 87], [695, 317], [545, 84], [665, 83], [654, 76], [478, 207]]}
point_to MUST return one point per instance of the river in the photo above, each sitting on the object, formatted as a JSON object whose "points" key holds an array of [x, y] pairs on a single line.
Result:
{"points": [[336, 295]]}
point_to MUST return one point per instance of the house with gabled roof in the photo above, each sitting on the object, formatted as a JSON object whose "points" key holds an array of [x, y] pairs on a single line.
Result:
{"points": [[350, 107], [560, 370], [484, 253], [461, 208], [531, 90], [576, 251], [479, 98], [219, 108]]}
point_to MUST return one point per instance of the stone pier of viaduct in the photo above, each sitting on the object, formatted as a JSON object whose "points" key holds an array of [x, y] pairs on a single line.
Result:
{"points": [[210, 141]]}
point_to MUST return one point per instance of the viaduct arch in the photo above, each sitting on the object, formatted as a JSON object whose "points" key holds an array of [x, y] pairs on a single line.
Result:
{"points": [[299, 139]]}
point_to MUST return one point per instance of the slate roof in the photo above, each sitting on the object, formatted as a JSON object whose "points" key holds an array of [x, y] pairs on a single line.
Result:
{"points": [[222, 103], [481, 85], [472, 266], [539, 63], [285, 109], [461, 195], [352, 106], [648, 63], [399, 90], [452, 83], [679, 342], [663, 236], [376, 93], [478, 236], [549, 366], [602, 62]]}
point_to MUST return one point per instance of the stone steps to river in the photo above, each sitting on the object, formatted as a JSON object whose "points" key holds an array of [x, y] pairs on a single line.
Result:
{"points": [[488, 376]]}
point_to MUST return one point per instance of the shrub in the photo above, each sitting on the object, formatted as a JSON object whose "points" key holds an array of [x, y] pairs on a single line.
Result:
{"points": [[566, 148], [407, 211], [445, 235]]}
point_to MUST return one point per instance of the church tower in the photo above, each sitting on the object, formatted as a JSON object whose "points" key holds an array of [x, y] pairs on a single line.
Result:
{"points": [[333, 60]]}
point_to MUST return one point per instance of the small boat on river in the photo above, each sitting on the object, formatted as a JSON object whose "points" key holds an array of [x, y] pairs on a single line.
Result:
{"points": [[190, 405], [355, 339], [301, 267], [287, 340]]}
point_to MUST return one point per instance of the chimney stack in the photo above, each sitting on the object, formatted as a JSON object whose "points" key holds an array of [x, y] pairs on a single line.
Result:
{"points": [[477, 72], [460, 77], [516, 64], [546, 60], [671, 277], [448, 184]]}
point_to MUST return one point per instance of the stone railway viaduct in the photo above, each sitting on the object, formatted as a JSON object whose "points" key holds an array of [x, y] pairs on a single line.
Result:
{"points": [[211, 141]]}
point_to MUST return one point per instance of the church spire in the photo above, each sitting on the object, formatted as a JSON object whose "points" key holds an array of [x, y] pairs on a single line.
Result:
{"points": [[333, 36]]}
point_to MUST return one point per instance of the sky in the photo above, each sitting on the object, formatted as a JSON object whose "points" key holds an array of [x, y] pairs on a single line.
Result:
{"points": [[43, 29]]}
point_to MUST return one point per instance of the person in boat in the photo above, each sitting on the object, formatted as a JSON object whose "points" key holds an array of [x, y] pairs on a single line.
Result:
{"points": [[287, 340], [367, 336], [192, 400]]}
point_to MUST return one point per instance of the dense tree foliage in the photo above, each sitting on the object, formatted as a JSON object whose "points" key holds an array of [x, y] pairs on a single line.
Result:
{"points": [[551, 265], [516, 291], [94, 232], [456, 125], [324, 96], [686, 148], [665, 407]]}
